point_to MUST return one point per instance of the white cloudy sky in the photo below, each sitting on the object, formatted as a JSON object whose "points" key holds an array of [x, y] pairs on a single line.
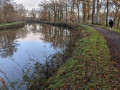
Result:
{"points": [[29, 4]]}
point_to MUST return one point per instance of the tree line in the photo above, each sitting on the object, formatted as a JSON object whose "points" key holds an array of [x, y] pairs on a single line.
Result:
{"points": [[75, 11], [11, 12], [79, 11]]}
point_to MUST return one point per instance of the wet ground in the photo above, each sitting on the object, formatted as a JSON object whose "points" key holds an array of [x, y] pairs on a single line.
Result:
{"points": [[113, 41]]}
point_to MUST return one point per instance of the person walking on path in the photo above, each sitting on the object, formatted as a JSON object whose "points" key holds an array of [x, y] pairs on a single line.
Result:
{"points": [[111, 24]]}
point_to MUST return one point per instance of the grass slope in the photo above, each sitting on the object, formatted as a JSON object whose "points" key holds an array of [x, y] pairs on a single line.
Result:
{"points": [[8, 24], [89, 67], [11, 25]]}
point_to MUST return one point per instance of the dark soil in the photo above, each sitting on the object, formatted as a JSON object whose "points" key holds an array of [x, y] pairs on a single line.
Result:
{"points": [[113, 41]]}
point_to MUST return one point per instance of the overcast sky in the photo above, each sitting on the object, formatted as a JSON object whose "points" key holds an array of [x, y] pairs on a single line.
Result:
{"points": [[29, 4]]}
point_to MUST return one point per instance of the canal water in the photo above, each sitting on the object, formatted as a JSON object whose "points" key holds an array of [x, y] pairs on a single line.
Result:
{"points": [[23, 47]]}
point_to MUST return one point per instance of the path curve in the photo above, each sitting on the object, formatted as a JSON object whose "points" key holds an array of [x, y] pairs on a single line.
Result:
{"points": [[113, 41]]}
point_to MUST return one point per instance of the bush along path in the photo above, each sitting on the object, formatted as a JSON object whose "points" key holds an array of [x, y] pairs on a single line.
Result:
{"points": [[89, 66], [113, 40]]}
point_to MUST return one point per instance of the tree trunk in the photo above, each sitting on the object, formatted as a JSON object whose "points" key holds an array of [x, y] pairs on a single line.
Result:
{"points": [[66, 12], [49, 16], [93, 11], [59, 16], [71, 15], [107, 13], [117, 9], [84, 12], [88, 11], [73, 11], [98, 10], [114, 19], [62, 14], [118, 22], [78, 2], [55, 14]]}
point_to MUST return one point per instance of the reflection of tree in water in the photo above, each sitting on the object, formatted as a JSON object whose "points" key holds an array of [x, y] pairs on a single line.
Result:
{"points": [[8, 45], [59, 37], [35, 28]]}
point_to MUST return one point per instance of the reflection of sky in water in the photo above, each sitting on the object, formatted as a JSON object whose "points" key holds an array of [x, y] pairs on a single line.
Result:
{"points": [[30, 51], [31, 37]]}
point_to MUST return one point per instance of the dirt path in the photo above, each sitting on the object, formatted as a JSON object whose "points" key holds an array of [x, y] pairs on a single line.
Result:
{"points": [[113, 40]]}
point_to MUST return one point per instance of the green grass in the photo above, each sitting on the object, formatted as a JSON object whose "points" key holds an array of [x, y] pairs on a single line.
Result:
{"points": [[89, 67], [9, 24], [113, 29]]}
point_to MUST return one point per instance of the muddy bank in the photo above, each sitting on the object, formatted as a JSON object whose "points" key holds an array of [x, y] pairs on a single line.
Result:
{"points": [[11, 25]]}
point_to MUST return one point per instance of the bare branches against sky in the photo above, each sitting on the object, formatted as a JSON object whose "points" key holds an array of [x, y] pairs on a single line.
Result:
{"points": [[29, 4]]}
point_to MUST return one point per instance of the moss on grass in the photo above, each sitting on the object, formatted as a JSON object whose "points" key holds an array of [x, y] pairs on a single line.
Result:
{"points": [[89, 67]]}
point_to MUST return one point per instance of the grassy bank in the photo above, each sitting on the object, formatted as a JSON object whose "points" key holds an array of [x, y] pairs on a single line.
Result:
{"points": [[113, 29], [89, 66], [11, 25]]}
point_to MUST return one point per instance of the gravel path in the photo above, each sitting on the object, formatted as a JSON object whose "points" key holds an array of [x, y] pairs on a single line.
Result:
{"points": [[113, 41]]}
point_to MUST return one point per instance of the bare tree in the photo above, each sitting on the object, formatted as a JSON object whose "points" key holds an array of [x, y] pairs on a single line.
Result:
{"points": [[88, 9], [93, 11], [107, 5], [98, 11], [78, 7]]}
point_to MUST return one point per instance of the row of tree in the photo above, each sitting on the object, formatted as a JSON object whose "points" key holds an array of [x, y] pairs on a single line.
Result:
{"points": [[80, 11], [11, 12]]}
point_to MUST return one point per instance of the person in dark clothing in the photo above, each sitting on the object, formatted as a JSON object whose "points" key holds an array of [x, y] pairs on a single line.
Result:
{"points": [[111, 24]]}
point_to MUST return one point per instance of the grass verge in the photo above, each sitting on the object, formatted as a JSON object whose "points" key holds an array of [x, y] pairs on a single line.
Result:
{"points": [[89, 66], [11, 25]]}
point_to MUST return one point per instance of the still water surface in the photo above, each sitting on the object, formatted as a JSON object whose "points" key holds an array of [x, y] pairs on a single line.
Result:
{"points": [[28, 45]]}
